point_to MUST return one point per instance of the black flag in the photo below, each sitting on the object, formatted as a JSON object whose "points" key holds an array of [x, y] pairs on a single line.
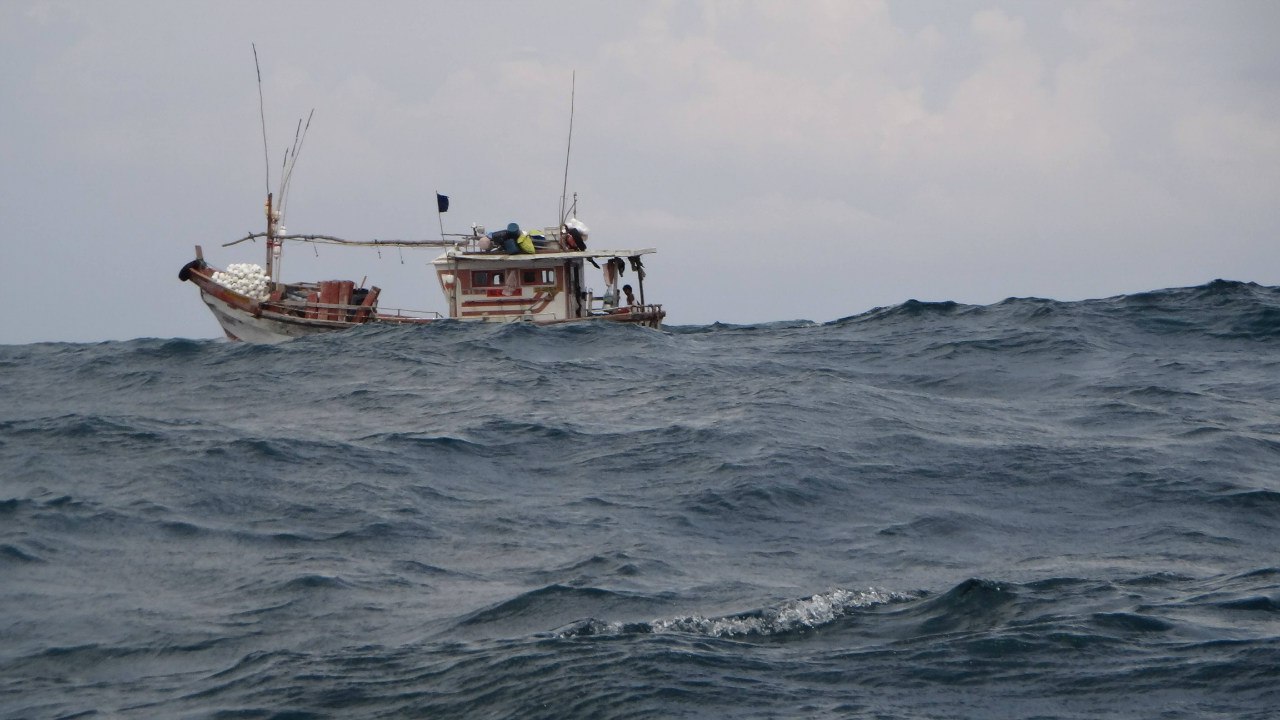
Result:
{"points": [[442, 202]]}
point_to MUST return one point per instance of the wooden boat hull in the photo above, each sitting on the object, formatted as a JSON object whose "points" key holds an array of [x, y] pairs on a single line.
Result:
{"points": [[239, 323], [267, 322]]}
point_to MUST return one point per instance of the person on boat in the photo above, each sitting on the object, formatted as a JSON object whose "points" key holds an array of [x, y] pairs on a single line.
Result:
{"points": [[575, 234], [631, 298]]}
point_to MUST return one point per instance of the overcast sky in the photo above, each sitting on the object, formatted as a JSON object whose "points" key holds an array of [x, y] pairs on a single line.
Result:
{"points": [[789, 160]]}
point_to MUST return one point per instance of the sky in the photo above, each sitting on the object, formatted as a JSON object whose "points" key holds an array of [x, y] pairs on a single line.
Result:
{"points": [[809, 159]]}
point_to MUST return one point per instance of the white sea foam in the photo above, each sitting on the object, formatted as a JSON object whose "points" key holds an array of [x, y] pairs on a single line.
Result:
{"points": [[789, 616]]}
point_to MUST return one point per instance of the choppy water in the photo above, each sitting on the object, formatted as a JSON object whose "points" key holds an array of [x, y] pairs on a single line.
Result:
{"points": [[1030, 509]]}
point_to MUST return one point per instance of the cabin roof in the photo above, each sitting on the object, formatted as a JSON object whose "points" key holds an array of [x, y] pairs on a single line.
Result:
{"points": [[487, 257]]}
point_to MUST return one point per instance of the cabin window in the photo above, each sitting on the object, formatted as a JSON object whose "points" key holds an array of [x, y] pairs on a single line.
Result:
{"points": [[543, 276], [486, 278]]}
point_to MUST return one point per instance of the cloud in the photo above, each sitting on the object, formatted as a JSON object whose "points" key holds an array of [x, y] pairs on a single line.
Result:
{"points": [[952, 150]]}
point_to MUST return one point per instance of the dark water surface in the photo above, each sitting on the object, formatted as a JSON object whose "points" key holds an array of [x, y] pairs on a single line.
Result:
{"points": [[1029, 509]]}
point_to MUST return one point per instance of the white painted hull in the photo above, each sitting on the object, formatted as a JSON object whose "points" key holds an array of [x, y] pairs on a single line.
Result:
{"points": [[275, 321], [265, 328], [241, 325]]}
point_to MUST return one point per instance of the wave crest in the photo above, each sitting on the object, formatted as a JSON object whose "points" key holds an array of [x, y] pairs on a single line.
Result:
{"points": [[787, 617]]}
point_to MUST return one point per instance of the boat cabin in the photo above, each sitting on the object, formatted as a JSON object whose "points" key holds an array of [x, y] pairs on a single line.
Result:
{"points": [[551, 285]]}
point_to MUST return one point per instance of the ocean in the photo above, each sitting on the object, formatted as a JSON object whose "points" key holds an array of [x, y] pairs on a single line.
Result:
{"points": [[1032, 509]]}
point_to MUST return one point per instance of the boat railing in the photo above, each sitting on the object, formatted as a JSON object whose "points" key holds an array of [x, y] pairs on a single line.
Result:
{"points": [[401, 315], [599, 306], [346, 313]]}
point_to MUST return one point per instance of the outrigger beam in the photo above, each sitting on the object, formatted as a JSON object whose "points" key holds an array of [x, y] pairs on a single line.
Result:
{"points": [[331, 240]]}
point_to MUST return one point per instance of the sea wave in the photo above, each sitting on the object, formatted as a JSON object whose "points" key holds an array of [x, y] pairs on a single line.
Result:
{"points": [[1074, 503], [787, 617]]}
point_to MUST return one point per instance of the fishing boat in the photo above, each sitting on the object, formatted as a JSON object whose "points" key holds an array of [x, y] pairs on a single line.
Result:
{"points": [[512, 275]]}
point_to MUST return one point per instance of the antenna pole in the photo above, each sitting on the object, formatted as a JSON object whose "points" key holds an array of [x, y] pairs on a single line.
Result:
{"points": [[262, 115], [565, 188]]}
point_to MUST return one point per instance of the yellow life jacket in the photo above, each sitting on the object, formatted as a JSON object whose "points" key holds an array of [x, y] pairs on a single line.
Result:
{"points": [[526, 243]]}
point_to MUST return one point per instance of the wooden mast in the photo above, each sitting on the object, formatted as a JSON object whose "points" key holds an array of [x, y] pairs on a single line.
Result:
{"points": [[640, 282], [271, 239]]}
